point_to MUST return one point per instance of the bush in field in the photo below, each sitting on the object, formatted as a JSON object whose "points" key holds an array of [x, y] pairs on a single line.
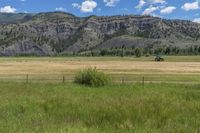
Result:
{"points": [[92, 77]]}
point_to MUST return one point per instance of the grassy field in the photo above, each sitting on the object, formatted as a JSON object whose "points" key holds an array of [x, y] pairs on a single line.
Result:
{"points": [[174, 69], [61, 108], [130, 65], [54, 107]]}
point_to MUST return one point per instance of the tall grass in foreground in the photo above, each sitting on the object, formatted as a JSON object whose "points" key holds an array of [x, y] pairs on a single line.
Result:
{"points": [[58, 108]]}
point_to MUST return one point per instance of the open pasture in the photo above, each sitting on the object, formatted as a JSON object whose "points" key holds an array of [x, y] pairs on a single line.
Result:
{"points": [[174, 69], [70, 108]]}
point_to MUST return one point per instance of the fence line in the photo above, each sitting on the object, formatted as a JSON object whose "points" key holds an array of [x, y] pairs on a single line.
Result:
{"points": [[116, 78]]}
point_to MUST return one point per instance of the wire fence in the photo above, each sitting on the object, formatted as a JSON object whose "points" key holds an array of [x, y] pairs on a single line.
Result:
{"points": [[117, 78]]}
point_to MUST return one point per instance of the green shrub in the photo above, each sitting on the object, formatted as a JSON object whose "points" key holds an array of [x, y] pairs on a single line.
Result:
{"points": [[138, 52], [92, 77]]}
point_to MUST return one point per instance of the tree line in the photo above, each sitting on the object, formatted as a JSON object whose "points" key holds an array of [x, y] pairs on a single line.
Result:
{"points": [[138, 52]]}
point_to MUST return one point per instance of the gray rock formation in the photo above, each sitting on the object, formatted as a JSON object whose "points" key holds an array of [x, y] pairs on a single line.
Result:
{"points": [[27, 48], [57, 32]]}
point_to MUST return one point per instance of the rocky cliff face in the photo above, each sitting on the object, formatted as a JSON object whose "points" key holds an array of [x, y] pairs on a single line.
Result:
{"points": [[58, 33]]}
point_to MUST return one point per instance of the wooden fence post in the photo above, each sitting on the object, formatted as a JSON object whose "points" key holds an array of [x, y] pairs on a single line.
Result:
{"points": [[63, 79], [143, 81], [123, 80], [26, 78]]}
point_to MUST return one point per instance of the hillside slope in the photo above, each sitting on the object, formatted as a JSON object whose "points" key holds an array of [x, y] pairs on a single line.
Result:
{"points": [[59, 33]]}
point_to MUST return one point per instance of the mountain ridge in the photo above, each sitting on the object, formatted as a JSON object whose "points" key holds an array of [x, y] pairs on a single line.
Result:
{"points": [[65, 33]]}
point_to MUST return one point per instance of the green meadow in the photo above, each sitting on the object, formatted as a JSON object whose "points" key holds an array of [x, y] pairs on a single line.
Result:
{"points": [[37, 95], [71, 108]]}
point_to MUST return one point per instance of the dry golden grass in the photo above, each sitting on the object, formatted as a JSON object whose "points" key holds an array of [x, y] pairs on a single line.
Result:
{"points": [[66, 66]]}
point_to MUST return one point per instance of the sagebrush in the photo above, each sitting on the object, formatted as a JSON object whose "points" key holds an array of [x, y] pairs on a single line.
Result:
{"points": [[92, 77]]}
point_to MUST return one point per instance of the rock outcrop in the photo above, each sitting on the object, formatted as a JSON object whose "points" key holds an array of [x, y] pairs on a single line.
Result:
{"points": [[58, 32]]}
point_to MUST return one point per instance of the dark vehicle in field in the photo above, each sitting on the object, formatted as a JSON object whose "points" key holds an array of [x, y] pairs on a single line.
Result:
{"points": [[158, 58]]}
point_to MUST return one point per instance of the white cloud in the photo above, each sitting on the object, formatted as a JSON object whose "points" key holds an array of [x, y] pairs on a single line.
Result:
{"points": [[196, 20], [86, 6], [150, 10], [111, 3], [167, 10], [76, 5], [7, 9], [158, 1], [60, 9], [197, 14], [190, 6], [99, 9], [141, 4]]}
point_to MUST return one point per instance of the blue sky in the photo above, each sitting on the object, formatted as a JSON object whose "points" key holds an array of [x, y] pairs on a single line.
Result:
{"points": [[170, 9]]}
